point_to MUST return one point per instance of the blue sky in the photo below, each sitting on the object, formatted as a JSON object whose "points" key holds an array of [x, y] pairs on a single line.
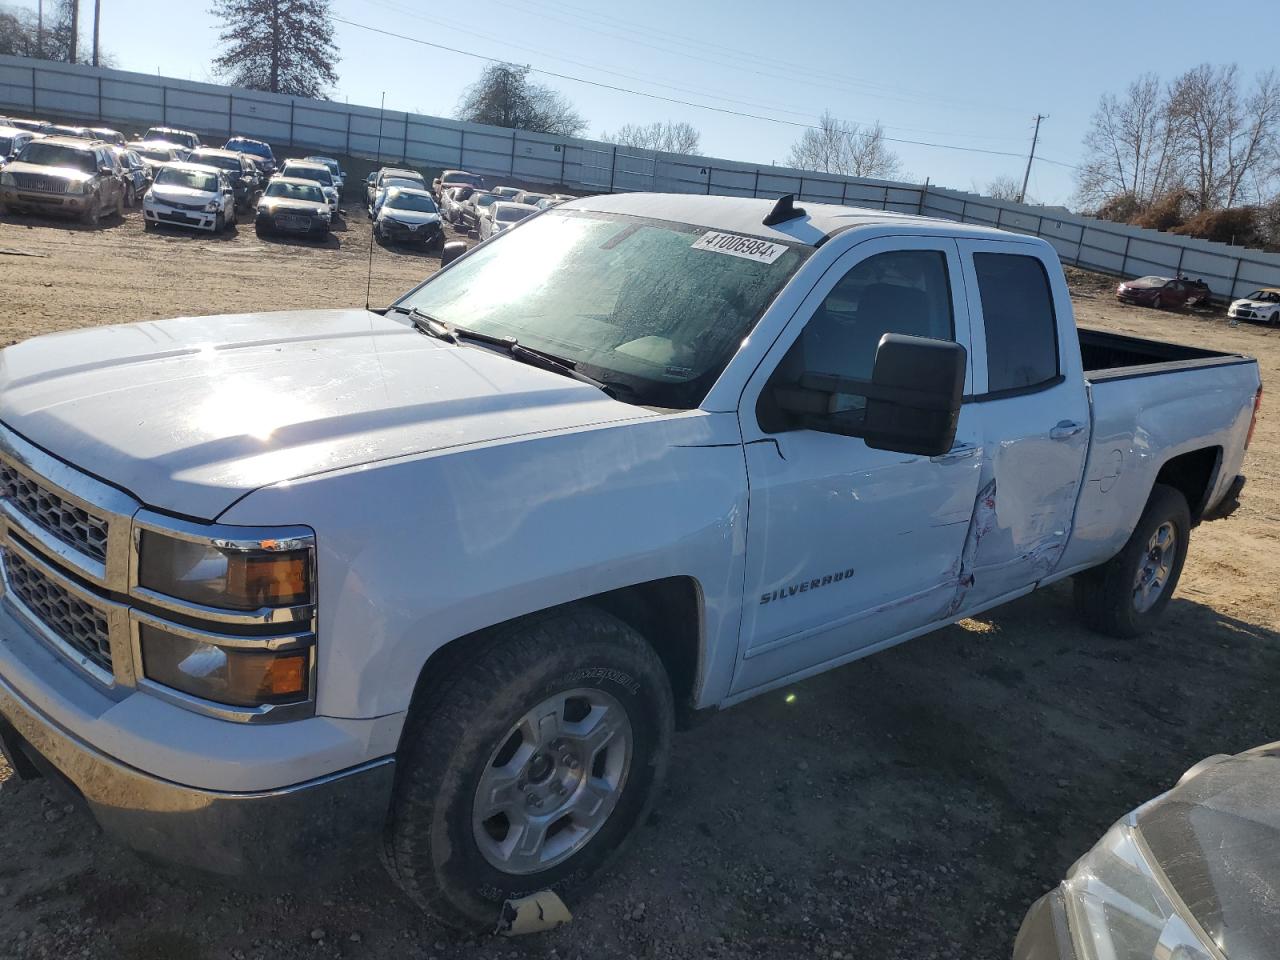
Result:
{"points": [[966, 74]]}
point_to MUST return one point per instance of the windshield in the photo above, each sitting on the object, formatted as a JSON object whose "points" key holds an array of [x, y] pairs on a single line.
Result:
{"points": [[411, 201], [250, 146], [1148, 282], [510, 214], [454, 179], [1265, 296], [58, 155], [483, 199], [192, 179], [331, 164], [533, 198], [627, 300], [318, 174], [6, 145], [295, 191], [173, 136], [153, 154], [216, 160]]}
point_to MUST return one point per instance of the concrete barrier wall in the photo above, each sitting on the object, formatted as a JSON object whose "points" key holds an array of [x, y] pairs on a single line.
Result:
{"points": [[134, 101]]}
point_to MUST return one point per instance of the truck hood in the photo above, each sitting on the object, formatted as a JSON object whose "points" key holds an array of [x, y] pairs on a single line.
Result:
{"points": [[190, 414], [70, 174]]}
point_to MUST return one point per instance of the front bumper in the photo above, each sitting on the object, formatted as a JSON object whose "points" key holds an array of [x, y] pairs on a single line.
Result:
{"points": [[72, 203], [157, 212], [1044, 934], [308, 826], [410, 233]]}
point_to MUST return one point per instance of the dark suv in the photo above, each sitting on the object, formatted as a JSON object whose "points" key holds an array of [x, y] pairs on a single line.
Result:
{"points": [[241, 171], [65, 175]]}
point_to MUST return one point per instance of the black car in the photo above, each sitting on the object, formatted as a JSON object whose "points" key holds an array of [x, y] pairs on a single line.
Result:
{"points": [[260, 150], [135, 171], [241, 171], [292, 205]]}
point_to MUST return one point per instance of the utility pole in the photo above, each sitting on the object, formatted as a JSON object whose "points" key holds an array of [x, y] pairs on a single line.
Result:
{"points": [[97, 16], [75, 31], [1022, 195], [40, 28]]}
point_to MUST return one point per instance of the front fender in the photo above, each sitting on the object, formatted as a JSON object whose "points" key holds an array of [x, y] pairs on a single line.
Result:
{"points": [[416, 552]]}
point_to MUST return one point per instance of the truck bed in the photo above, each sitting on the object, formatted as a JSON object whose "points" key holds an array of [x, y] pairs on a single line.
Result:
{"points": [[1115, 356]]}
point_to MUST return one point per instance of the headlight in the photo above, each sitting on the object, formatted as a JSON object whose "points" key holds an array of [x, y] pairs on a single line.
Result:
{"points": [[235, 676], [1121, 907], [8, 180], [76, 186], [275, 574], [323, 214], [212, 206]]}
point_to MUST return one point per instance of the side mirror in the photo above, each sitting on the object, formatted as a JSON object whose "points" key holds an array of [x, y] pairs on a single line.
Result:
{"points": [[912, 401], [452, 251], [105, 171]]}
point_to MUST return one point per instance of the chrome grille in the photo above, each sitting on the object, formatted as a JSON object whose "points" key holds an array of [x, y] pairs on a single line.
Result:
{"points": [[33, 181], [79, 625], [69, 523]]}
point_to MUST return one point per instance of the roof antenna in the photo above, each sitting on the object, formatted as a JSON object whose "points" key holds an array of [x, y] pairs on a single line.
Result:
{"points": [[784, 210], [368, 282]]}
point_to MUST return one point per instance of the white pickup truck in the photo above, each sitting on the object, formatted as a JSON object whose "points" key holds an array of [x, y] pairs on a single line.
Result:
{"points": [[438, 580]]}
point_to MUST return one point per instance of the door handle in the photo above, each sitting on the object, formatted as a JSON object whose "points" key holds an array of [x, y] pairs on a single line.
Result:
{"points": [[961, 451], [1065, 430]]}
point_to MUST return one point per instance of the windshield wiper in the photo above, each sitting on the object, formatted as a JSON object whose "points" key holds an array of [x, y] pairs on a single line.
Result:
{"points": [[432, 326]]}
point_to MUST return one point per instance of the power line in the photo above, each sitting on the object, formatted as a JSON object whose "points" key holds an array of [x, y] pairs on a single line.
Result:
{"points": [[685, 103]]}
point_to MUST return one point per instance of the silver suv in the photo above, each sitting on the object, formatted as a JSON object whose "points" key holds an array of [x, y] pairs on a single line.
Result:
{"points": [[65, 175]]}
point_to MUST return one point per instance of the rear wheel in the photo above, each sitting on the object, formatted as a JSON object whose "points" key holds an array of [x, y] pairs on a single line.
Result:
{"points": [[92, 212], [119, 209], [1126, 596], [1156, 302], [531, 767]]}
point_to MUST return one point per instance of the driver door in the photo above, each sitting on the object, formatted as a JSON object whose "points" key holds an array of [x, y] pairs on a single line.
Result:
{"points": [[850, 547]]}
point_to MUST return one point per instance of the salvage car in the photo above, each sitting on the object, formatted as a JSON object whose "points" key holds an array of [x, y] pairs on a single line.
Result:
{"points": [[1163, 292], [12, 140], [529, 198], [475, 207], [1262, 305], [65, 175], [154, 153], [379, 178], [260, 150], [107, 135], [293, 205], [453, 201], [134, 171], [185, 140], [190, 195], [506, 193], [335, 170], [455, 178], [436, 580], [1192, 875], [318, 173], [409, 216], [35, 126], [502, 215], [240, 170]]}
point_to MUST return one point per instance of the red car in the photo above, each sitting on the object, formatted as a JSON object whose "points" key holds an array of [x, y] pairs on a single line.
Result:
{"points": [[1161, 292]]}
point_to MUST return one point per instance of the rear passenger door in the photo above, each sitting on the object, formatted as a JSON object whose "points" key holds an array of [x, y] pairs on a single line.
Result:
{"points": [[1033, 415]]}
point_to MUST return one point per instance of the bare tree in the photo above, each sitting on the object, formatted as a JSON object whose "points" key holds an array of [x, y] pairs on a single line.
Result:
{"points": [[834, 146], [281, 46], [1131, 145], [1005, 188], [20, 36], [671, 136], [504, 96], [1227, 135]]}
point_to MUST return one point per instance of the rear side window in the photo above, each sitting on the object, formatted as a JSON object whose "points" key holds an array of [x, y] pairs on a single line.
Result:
{"points": [[1017, 310]]}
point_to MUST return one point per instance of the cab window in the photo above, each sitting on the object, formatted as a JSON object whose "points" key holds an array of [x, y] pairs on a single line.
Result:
{"points": [[901, 291]]}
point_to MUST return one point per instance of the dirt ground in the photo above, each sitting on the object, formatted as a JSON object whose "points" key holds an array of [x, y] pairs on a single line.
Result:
{"points": [[910, 805]]}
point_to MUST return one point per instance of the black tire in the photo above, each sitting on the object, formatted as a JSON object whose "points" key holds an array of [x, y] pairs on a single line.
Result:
{"points": [[148, 225], [118, 211], [260, 230], [1156, 303], [455, 728], [1105, 597], [130, 197], [90, 215], [220, 222]]}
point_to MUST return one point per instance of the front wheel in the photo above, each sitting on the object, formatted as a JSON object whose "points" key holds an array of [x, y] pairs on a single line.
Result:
{"points": [[530, 767], [1126, 596]]}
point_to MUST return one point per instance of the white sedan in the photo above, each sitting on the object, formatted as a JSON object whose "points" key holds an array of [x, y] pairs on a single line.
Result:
{"points": [[190, 195]]}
